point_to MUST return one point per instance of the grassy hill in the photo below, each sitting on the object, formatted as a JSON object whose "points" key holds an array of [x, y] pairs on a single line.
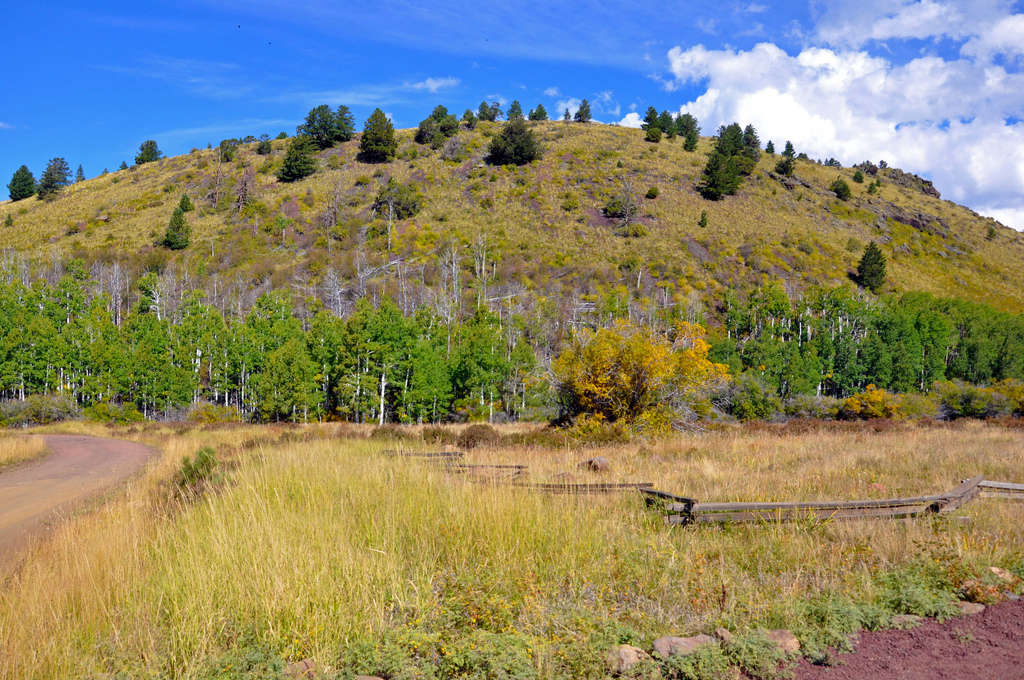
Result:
{"points": [[536, 232]]}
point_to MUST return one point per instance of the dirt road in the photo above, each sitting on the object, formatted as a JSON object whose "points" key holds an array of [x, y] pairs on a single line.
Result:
{"points": [[986, 646], [77, 468]]}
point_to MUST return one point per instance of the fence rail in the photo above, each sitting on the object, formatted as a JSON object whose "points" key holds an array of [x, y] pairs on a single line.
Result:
{"points": [[683, 510]]}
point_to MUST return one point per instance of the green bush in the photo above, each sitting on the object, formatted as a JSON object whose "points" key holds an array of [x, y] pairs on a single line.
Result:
{"points": [[707, 663], [198, 471], [38, 409], [746, 398], [962, 400], [652, 193], [108, 412], [755, 654], [476, 435]]}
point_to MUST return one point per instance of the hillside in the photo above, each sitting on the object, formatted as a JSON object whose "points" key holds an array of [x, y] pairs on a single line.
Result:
{"points": [[536, 232]]}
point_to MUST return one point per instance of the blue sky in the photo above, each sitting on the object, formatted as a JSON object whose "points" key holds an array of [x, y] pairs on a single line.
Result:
{"points": [[916, 82]]}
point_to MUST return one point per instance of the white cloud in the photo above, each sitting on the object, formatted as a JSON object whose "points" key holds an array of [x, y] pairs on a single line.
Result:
{"points": [[1005, 36], [432, 85], [561, 105], [5, 126], [497, 98], [551, 91], [944, 119], [631, 120], [851, 24]]}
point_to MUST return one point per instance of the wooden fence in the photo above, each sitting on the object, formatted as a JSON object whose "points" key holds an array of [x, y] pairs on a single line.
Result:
{"points": [[683, 510]]}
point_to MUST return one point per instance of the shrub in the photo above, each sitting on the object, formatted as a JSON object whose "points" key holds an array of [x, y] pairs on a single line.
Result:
{"points": [[108, 412], [208, 413], [755, 654], [434, 434], [652, 193], [476, 435], [198, 471], [747, 399], [1013, 391], [841, 189], [873, 402], [39, 409], [392, 431], [707, 663], [962, 400], [515, 145]]}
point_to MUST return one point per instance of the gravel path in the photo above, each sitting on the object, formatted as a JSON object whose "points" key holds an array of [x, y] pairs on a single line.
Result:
{"points": [[75, 469], [985, 646]]}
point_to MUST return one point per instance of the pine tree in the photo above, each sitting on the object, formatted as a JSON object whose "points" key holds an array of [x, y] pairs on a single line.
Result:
{"points": [[539, 113], [858, 176], [185, 204], [79, 174], [178, 232], [123, 166], [344, 124], [378, 143], [789, 151], [489, 112], [690, 142], [871, 269], [55, 177], [751, 142], [9, 221], [653, 134], [298, 160], [583, 113], [437, 127], [515, 110], [515, 145], [719, 178], [650, 119], [567, 117], [22, 184], [703, 221], [685, 124], [770, 147], [469, 118], [666, 124], [148, 152], [786, 166], [264, 147]]}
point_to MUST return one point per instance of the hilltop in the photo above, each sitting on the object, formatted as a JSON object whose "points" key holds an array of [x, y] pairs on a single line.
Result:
{"points": [[537, 232]]}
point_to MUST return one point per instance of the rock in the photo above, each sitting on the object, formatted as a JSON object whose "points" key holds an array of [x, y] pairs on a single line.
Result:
{"points": [[1004, 575], [968, 608], [624, 657], [906, 620], [680, 646], [598, 464], [300, 670], [724, 635], [785, 640]]}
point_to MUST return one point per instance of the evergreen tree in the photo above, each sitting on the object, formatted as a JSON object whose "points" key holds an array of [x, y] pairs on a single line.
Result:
{"points": [[123, 166], [730, 140], [786, 166], [567, 117], [178, 232], [319, 127], [148, 152], [79, 174], [770, 147], [55, 177], [515, 110], [105, 172], [539, 113], [685, 124], [703, 221], [185, 204], [650, 119], [841, 189], [22, 184], [264, 147], [226, 150], [8, 221], [666, 124], [489, 112], [789, 151], [858, 176], [515, 145], [690, 141], [751, 142], [583, 113], [378, 143], [469, 118], [437, 127], [719, 178], [653, 134], [871, 269], [344, 124], [298, 160]]}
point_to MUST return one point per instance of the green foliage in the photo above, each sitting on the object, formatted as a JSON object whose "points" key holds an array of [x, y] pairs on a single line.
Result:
{"points": [[326, 128], [650, 119], [652, 193], [401, 200], [55, 177], [858, 176], [515, 110], [378, 143], [178, 234], [786, 166], [747, 399], [264, 147], [437, 127], [653, 134], [539, 113], [841, 189], [871, 268], [719, 178], [148, 152], [79, 174], [282, 135], [119, 414], [515, 145], [227, 149], [922, 588], [469, 119], [8, 220], [22, 184], [769, 148], [755, 654], [298, 160], [789, 151], [38, 409], [582, 114], [703, 221], [488, 112], [185, 204], [123, 166], [707, 663]]}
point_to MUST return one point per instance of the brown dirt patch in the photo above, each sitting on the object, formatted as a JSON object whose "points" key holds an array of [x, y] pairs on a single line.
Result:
{"points": [[986, 646]]}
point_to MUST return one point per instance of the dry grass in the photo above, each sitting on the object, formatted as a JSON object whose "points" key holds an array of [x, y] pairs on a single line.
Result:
{"points": [[317, 545], [764, 233], [16, 448]]}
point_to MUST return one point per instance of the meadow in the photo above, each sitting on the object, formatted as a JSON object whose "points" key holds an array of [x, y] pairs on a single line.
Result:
{"points": [[307, 542], [16, 448]]}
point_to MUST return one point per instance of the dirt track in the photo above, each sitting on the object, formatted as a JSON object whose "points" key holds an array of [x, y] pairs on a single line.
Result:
{"points": [[986, 646], [77, 468]]}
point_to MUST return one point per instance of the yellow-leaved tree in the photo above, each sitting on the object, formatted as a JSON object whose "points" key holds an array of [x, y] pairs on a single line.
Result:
{"points": [[633, 374]]}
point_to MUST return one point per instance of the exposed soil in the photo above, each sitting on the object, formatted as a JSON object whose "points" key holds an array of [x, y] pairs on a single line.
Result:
{"points": [[985, 646], [34, 495]]}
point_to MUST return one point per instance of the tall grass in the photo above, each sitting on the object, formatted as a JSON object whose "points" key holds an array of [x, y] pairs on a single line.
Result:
{"points": [[327, 549], [20, 448]]}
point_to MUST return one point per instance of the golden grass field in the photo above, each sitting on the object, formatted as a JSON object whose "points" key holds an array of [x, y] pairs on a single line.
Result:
{"points": [[318, 546], [540, 221], [16, 448]]}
